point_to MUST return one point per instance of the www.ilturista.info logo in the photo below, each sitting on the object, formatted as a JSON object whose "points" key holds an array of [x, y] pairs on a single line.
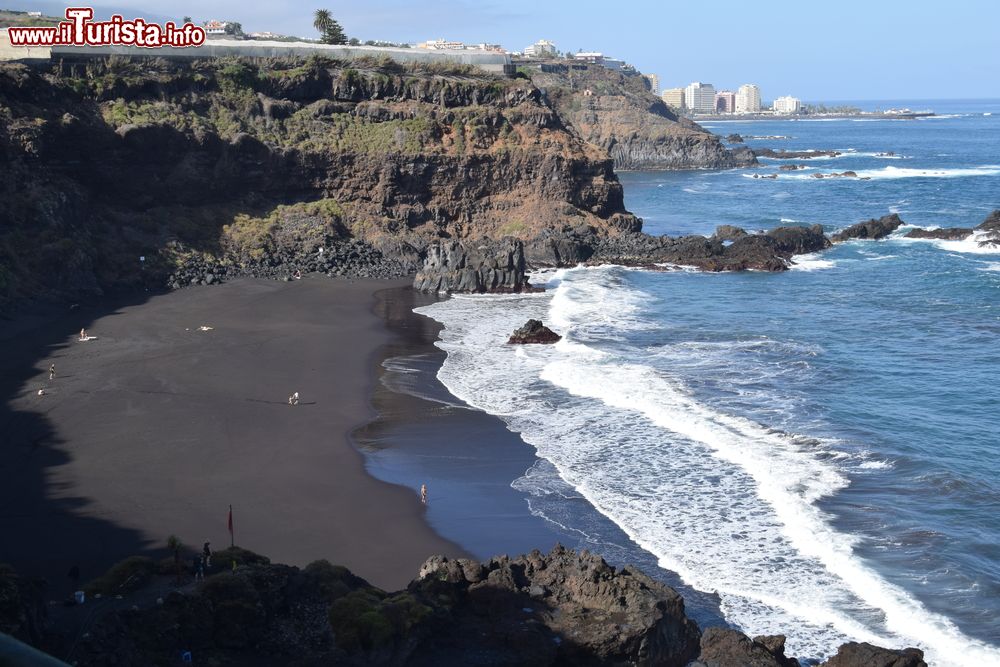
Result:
{"points": [[80, 30]]}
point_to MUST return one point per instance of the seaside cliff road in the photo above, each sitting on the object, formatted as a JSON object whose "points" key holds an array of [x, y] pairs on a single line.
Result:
{"points": [[156, 427]]}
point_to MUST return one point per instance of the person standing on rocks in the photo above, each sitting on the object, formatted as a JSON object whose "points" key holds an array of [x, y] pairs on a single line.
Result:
{"points": [[52, 372], [206, 553], [423, 493]]}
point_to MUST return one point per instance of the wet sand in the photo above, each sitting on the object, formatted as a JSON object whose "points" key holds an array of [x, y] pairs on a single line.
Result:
{"points": [[156, 427]]}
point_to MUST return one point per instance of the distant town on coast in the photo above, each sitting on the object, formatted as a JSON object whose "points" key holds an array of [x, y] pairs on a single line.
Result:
{"points": [[698, 100]]}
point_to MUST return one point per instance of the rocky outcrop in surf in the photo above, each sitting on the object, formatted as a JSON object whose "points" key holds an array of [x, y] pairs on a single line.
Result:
{"points": [[478, 267], [533, 332], [870, 229], [560, 608], [793, 155], [987, 232]]}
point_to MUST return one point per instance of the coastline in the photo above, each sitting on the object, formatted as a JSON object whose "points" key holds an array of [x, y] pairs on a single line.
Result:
{"points": [[155, 428], [470, 460]]}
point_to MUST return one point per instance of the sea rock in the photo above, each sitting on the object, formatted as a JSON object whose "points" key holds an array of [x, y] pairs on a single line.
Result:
{"points": [[533, 331], [943, 233], [991, 227], [792, 167], [870, 229], [729, 232], [725, 647], [854, 654], [474, 267], [734, 138]]}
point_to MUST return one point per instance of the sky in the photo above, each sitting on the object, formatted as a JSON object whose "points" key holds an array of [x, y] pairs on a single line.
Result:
{"points": [[817, 51]]}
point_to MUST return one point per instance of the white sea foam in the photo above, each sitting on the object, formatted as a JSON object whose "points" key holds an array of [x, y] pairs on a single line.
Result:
{"points": [[992, 266], [811, 262], [892, 173], [728, 503], [966, 246]]}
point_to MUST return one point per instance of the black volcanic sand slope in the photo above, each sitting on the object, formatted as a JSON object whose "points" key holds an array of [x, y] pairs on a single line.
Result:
{"points": [[155, 427]]}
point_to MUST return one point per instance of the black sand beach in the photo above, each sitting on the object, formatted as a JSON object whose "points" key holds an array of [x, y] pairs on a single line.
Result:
{"points": [[156, 427]]}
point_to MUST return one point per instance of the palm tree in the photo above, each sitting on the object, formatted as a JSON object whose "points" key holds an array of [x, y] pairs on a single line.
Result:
{"points": [[322, 20], [329, 30]]}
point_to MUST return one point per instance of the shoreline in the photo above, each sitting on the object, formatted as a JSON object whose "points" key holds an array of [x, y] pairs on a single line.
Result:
{"points": [[155, 427], [471, 460]]}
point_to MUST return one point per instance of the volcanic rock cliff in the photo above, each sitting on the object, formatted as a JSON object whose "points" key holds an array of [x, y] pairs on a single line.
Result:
{"points": [[618, 112], [560, 608], [265, 167]]}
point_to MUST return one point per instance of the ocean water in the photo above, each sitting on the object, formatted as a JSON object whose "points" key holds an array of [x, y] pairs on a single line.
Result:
{"points": [[818, 447]]}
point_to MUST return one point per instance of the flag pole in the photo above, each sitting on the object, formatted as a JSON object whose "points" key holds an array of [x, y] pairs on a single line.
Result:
{"points": [[232, 539]]}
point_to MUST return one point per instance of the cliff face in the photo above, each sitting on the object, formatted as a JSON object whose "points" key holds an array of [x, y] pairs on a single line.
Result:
{"points": [[246, 165], [616, 112]]}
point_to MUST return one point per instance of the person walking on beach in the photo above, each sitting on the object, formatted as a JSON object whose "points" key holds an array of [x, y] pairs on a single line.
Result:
{"points": [[206, 553], [52, 372], [423, 493], [83, 334]]}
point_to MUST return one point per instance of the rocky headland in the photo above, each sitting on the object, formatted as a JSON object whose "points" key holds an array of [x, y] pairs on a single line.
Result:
{"points": [[617, 112], [564, 607]]}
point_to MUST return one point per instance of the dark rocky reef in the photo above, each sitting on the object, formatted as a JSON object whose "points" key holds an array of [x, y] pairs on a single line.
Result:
{"points": [[476, 267], [616, 111], [943, 233], [793, 155], [989, 229], [560, 608], [870, 229], [461, 268], [533, 332]]}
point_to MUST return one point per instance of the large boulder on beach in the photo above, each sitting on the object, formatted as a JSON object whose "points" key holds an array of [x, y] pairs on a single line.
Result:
{"points": [[855, 654], [570, 607], [870, 229], [533, 332], [473, 267], [725, 647]]}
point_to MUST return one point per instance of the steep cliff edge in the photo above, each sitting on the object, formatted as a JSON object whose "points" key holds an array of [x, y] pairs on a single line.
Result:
{"points": [[266, 167], [617, 112]]}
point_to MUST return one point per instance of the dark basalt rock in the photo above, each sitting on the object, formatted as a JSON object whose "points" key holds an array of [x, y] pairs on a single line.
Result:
{"points": [[991, 225], [870, 229], [463, 266], [533, 332], [729, 232], [573, 606], [944, 233], [792, 167], [724, 647], [734, 138], [856, 654]]}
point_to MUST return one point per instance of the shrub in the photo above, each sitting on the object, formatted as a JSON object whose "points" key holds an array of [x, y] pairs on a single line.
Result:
{"points": [[128, 575]]}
